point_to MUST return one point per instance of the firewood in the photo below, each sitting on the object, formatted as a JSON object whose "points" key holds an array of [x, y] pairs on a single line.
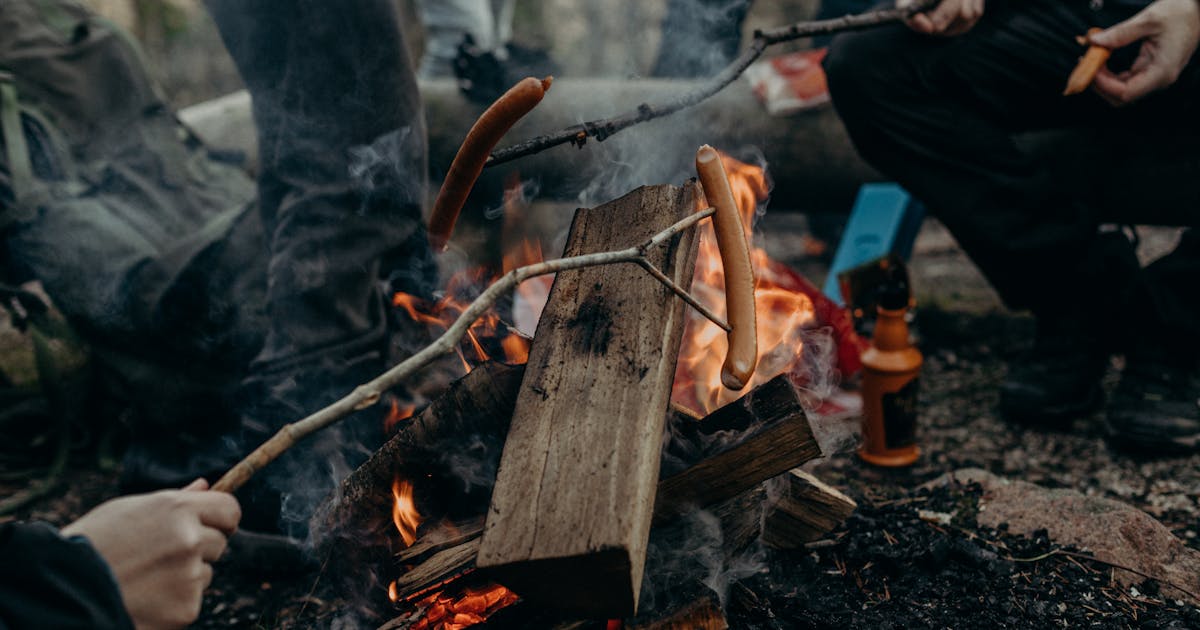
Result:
{"points": [[430, 545], [807, 510], [355, 529], [574, 496], [701, 614], [779, 439], [438, 570]]}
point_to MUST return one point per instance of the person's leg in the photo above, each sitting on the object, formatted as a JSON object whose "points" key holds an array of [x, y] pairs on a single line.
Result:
{"points": [[939, 114], [1156, 406], [446, 22], [699, 37], [342, 146]]}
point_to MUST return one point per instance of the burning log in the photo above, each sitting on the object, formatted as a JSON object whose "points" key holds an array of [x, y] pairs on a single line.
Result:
{"points": [[356, 526], [571, 509], [733, 434], [807, 510]]}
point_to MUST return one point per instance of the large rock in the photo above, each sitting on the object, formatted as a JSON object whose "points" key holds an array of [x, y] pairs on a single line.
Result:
{"points": [[1110, 530]]}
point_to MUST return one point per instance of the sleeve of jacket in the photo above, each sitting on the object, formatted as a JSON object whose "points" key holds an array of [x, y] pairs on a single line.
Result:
{"points": [[48, 581]]}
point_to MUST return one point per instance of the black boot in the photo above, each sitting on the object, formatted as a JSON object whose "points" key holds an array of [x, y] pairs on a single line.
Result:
{"points": [[1156, 408], [1059, 380]]}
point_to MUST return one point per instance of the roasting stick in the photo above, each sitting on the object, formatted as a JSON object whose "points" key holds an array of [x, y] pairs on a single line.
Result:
{"points": [[1089, 65], [603, 129], [742, 354], [369, 393], [468, 162]]}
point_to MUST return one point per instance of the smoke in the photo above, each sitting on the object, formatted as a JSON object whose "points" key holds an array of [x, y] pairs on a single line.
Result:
{"points": [[385, 168], [691, 557]]}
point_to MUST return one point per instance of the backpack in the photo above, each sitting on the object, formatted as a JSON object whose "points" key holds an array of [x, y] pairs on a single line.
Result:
{"points": [[149, 246]]}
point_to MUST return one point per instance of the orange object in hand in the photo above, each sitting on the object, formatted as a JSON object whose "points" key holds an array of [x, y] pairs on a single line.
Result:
{"points": [[1089, 65]]}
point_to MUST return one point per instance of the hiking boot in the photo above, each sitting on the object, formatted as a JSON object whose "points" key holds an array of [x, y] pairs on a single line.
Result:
{"points": [[1156, 408], [1058, 381]]}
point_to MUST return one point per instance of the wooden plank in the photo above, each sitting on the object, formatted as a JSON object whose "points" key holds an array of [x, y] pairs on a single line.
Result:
{"points": [[574, 496], [779, 439], [806, 511]]}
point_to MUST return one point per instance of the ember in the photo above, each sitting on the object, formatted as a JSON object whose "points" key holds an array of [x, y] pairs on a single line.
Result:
{"points": [[474, 605]]}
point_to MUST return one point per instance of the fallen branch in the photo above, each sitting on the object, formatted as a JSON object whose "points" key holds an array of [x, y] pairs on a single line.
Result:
{"points": [[369, 393], [601, 130]]}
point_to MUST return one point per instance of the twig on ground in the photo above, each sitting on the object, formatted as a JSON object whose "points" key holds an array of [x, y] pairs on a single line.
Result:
{"points": [[1084, 556], [601, 130], [369, 393]]}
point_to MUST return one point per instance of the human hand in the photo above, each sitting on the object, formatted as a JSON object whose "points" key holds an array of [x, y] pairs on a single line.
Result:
{"points": [[160, 546], [1169, 31], [948, 19]]}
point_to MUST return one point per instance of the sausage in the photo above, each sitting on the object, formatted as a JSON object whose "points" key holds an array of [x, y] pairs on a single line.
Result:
{"points": [[1089, 64], [742, 355], [471, 156]]}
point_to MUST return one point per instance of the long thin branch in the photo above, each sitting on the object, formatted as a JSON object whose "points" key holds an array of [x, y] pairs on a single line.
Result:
{"points": [[369, 393], [601, 130]]}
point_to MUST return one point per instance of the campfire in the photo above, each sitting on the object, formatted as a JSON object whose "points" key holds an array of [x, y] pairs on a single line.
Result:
{"points": [[724, 451]]}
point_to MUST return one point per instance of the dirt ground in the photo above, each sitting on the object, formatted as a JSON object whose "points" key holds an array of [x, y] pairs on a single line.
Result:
{"points": [[923, 576]]}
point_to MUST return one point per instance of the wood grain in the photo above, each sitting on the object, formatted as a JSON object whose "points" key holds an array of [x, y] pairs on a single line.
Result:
{"points": [[571, 511]]}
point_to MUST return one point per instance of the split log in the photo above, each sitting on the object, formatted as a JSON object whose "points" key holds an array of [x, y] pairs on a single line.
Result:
{"points": [[779, 439], [355, 529], [806, 510], [813, 163], [574, 497], [438, 570]]}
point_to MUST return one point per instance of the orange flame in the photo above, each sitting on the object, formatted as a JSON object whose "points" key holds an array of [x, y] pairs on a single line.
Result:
{"points": [[441, 314], [513, 347], [404, 511], [781, 313], [396, 414]]}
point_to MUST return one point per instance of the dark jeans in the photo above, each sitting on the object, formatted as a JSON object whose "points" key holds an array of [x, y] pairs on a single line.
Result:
{"points": [[941, 115], [342, 144], [342, 180], [699, 37]]}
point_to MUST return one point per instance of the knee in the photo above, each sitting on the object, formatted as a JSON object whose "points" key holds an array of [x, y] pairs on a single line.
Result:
{"points": [[861, 67]]}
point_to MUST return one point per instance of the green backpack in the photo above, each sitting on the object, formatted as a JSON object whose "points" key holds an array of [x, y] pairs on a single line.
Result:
{"points": [[149, 246]]}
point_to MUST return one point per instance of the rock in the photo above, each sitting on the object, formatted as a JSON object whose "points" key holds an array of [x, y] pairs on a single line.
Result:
{"points": [[1110, 530]]}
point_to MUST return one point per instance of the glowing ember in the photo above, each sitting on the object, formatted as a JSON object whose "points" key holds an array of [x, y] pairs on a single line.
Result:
{"points": [[404, 511], [473, 606]]}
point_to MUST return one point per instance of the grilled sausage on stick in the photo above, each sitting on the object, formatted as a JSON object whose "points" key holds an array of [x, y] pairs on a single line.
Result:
{"points": [[471, 156], [739, 277]]}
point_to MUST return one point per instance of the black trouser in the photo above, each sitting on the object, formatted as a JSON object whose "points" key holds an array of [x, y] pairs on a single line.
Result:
{"points": [[329, 80], [342, 158], [716, 23], [939, 115]]}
